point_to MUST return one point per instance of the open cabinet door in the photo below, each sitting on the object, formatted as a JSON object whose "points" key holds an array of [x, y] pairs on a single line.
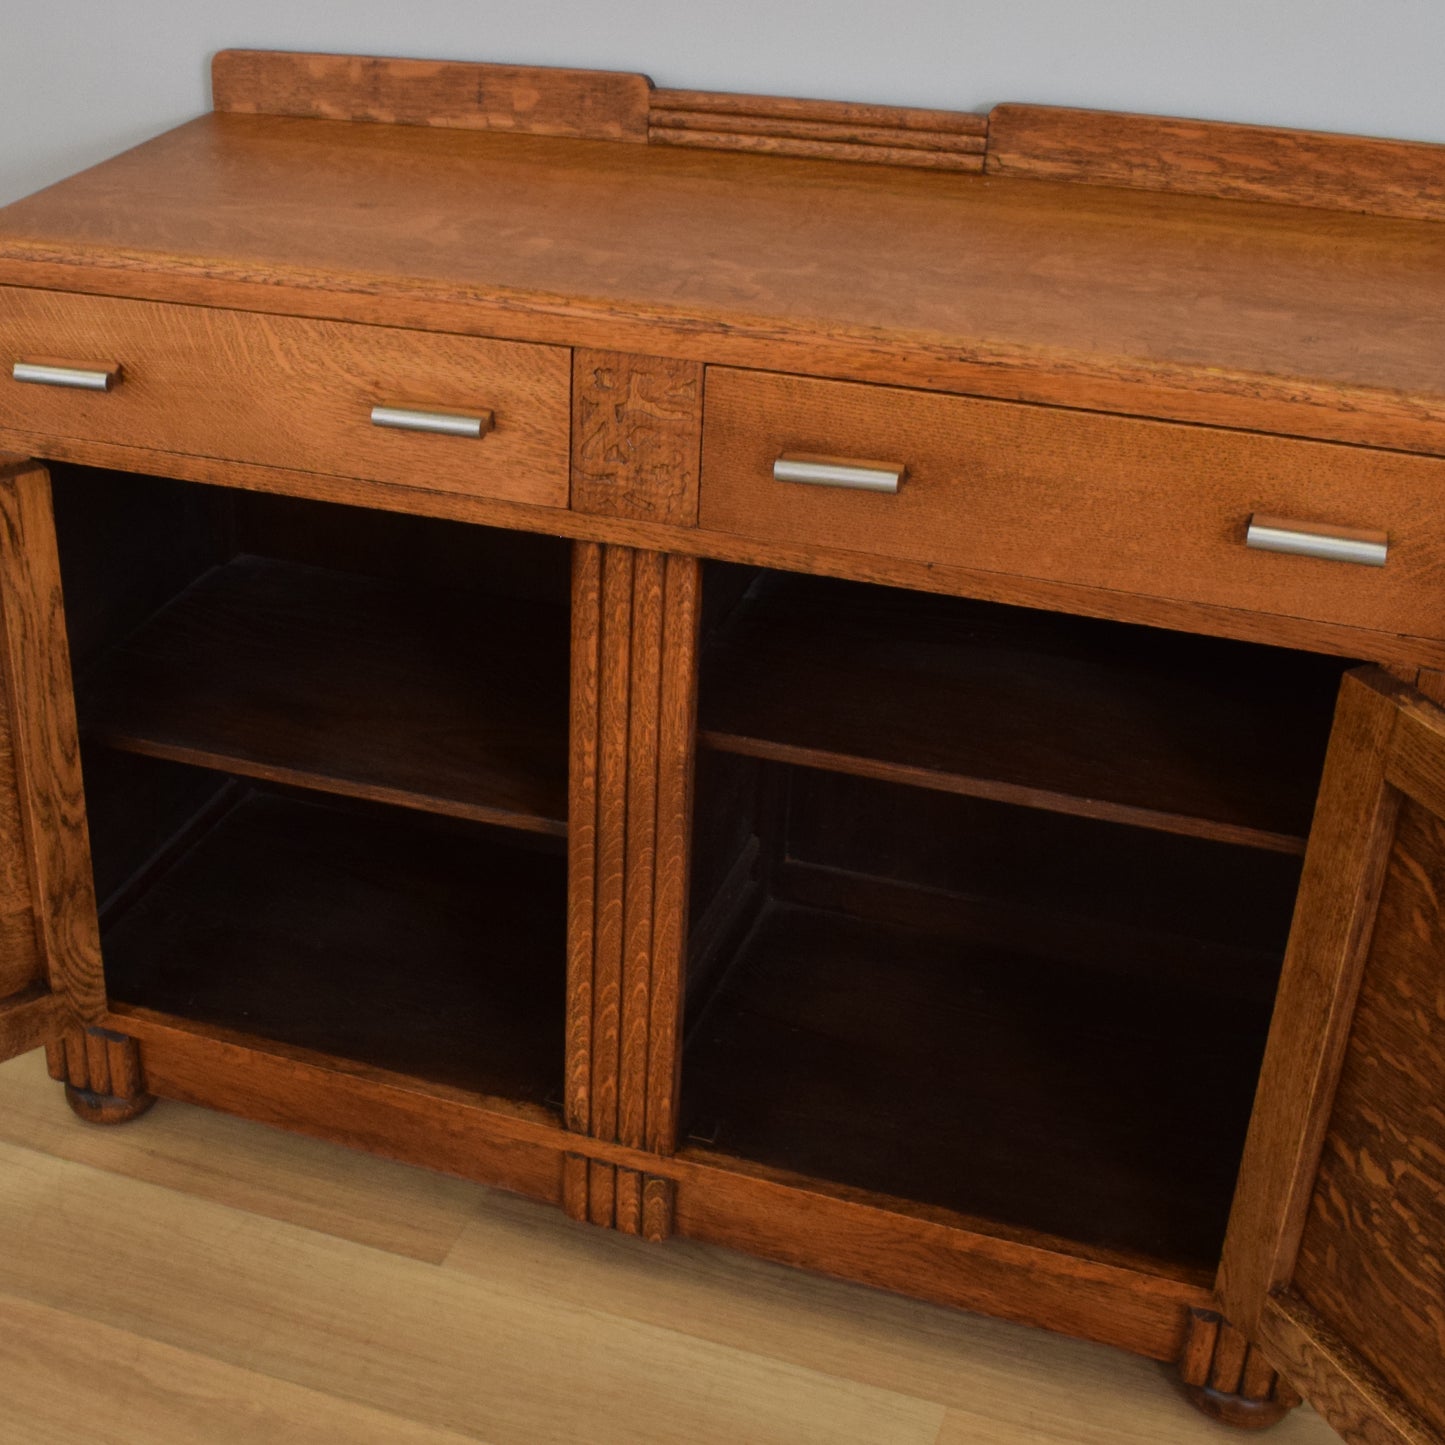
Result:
{"points": [[50, 972], [1334, 1263]]}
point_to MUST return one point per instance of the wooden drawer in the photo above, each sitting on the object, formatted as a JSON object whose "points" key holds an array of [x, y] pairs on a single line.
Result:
{"points": [[288, 392], [1106, 501]]}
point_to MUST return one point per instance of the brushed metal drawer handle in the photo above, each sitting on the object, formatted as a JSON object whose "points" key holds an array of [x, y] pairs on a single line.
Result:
{"points": [[443, 423], [839, 472], [80, 378], [1317, 539]]}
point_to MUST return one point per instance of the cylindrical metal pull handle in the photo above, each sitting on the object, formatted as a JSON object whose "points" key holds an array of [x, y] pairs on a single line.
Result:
{"points": [[1317, 539], [445, 423], [83, 378], [839, 472]]}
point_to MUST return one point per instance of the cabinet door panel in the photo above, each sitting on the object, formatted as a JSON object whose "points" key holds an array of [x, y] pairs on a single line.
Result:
{"points": [[49, 936], [1335, 1259]]}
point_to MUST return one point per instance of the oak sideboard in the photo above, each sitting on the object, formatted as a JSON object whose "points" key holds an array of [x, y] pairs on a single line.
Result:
{"points": [[856, 683]]}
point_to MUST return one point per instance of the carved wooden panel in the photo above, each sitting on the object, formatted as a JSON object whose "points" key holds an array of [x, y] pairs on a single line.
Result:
{"points": [[819, 129], [633, 705], [636, 436]]}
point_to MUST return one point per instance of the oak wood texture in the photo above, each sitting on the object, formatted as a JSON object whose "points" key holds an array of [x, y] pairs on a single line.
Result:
{"points": [[428, 698], [636, 436], [1363, 1407], [533, 100], [21, 966], [832, 130], [1213, 158], [46, 746], [1170, 306], [1076, 716], [869, 1240], [284, 391], [1164, 510], [1381, 1168], [634, 688], [1352, 642], [28, 1020], [307, 923], [1342, 1183]]}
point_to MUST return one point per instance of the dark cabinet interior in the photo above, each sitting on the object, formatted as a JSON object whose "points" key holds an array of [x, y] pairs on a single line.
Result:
{"points": [[325, 758], [989, 905]]}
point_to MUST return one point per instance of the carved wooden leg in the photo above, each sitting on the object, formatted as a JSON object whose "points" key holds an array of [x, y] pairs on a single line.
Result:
{"points": [[102, 1075], [1228, 1379]]}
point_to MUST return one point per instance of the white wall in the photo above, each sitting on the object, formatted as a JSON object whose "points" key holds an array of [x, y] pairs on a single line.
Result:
{"points": [[82, 79]]}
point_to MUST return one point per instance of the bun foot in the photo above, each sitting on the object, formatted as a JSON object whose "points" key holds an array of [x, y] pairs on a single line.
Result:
{"points": [[106, 1108], [1224, 1376], [101, 1071]]}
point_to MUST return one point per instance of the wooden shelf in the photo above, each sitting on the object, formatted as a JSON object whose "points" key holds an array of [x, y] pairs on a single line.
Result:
{"points": [[419, 945], [1191, 735], [979, 1078], [442, 701]]}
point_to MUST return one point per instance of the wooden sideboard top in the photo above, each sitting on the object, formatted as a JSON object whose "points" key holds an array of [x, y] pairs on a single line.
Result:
{"points": [[1288, 318]]}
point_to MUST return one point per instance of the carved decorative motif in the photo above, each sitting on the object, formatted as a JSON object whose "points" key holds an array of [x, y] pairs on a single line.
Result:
{"points": [[636, 436], [819, 129]]}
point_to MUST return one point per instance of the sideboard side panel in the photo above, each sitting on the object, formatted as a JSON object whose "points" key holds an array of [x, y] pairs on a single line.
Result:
{"points": [[46, 743]]}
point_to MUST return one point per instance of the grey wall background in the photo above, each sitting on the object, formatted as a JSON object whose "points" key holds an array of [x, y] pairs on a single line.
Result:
{"points": [[83, 79]]}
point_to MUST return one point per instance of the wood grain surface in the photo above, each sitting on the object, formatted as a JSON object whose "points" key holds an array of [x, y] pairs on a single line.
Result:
{"points": [[1214, 158], [20, 959], [1359, 1403], [1220, 621], [288, 392], [46, 744], [533, 100], [1344, 869], [1173, 306], [1106, 501], [1369, 1262]]}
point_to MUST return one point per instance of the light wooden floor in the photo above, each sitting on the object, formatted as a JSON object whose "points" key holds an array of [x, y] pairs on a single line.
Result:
{"points": [[189, 1277]]}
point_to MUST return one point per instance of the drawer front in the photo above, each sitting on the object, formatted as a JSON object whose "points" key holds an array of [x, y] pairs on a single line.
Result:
{"points": [[287, 392], [1144, 507]]}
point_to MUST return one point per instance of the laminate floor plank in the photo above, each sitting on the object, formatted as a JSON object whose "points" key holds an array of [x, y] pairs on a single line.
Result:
{"points": [[399, 1336], [193, 1278], [325, 1187], [57, 1368], [1003, 1384]]}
